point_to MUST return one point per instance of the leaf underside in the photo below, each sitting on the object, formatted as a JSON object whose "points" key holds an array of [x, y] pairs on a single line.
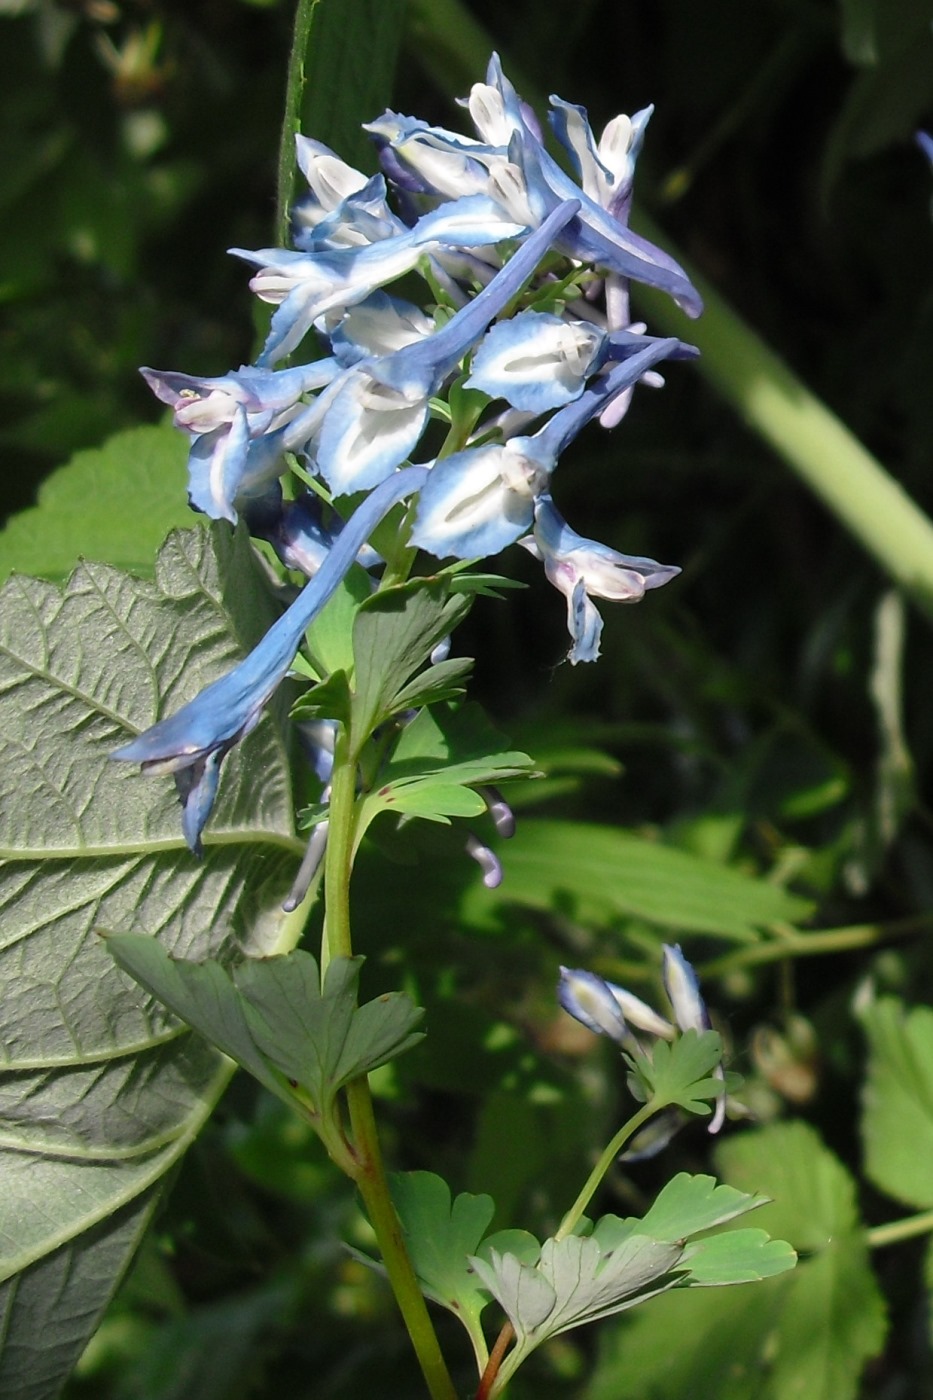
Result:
{"points": [[101, 1090]]}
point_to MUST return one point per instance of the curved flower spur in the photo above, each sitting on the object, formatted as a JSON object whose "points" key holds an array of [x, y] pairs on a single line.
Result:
{"points": [[523, 337]]}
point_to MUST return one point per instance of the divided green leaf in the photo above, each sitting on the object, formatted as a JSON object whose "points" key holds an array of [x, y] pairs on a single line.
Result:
{"points": [[272, 1016], [440, 757], [897, 1119], [679, 1071], [808, 1332]]}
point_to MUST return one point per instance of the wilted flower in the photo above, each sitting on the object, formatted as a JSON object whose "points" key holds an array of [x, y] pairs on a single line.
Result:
{"points": [[583, 569]]}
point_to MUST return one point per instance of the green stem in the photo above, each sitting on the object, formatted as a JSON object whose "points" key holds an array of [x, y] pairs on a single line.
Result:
{"points": [[803, 945], [575, 1214], [811, 440], [295, 83], [369, 1170], [899, 1230]]}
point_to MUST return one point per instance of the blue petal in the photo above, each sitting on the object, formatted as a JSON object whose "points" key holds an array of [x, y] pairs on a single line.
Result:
{"points": [[590, 1001], [477, 502], [683, 990], [368, 431], [536, 361], [229, 708]]}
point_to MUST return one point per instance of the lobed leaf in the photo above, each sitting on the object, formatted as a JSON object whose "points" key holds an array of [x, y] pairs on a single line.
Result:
{"points": [[272, 1016], [897, 1115]]}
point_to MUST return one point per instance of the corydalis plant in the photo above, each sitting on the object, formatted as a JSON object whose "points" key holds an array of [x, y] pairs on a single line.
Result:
{"points": [[613, 1011], [445, 421], [522, 338]]}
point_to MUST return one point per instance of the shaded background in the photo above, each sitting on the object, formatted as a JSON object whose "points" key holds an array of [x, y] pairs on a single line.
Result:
{"points": [[734, 711]]}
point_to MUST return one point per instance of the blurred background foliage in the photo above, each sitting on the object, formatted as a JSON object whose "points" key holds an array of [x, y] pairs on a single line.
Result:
{"points": [[768, 714]]}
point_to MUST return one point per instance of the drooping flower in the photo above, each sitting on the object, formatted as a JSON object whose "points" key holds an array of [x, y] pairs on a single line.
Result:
{"points": [[583, 569], [192, 743]]}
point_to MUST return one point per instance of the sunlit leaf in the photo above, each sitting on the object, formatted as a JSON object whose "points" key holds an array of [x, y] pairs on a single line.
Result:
{"points": [[808, 1332], [114, 503], [102, 1091], [897, 1122], [440, 757]]}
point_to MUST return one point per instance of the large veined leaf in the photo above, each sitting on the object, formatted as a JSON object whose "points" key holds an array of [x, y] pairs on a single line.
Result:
{"points": [[101, 1090]]}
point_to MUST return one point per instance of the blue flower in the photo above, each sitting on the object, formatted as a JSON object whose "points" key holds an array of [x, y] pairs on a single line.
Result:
{"points": [[242, 424], [478, 501], [343, 208], [381, 411], [583, 569], [683, 991], [305, 286], [610, 1010], [192, 743], [605, 169], [606, 1009], [529, 184], [537, 361]]}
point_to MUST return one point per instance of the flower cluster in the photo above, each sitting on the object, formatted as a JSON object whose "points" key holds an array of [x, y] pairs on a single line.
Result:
{"points": [[523, 338], [609, 1010]]}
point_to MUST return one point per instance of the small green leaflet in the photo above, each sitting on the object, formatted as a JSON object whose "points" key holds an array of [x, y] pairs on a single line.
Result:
{"points": [[679, 1072], [440, 757], [273, 1018], [394, 633], [441, 1235], [393, 636], [689, 1204], [574, 1282]]}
